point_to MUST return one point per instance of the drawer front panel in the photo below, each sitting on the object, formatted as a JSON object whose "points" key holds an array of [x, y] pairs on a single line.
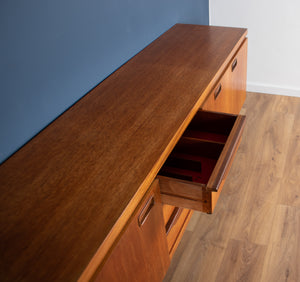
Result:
{"points": [[167, 212], [176, 229], [212, 139], [219, 99], [239, 78]]}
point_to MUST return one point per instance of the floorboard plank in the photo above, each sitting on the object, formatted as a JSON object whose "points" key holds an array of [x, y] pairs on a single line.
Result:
{"points": [[264, 176], [242, 262], [290, 184], [283, 253]]}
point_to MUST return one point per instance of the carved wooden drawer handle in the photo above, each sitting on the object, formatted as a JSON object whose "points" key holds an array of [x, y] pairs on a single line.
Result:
{"points": [[234, 64], [145, 211], [173, 219], [218, 91]]}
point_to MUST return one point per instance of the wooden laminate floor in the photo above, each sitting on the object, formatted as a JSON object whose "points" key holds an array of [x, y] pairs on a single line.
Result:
{"points": [[254, 232]]}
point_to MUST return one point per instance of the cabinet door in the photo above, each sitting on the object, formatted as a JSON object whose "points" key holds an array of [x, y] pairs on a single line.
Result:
{"points": [[229, 94], [142, 252]]}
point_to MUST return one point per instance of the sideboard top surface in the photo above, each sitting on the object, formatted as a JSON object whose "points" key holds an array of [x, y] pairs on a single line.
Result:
{"points": [[64, 191]]}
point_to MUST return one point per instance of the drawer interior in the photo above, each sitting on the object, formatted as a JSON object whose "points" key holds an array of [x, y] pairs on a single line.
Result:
{"points": [[197, 152]]}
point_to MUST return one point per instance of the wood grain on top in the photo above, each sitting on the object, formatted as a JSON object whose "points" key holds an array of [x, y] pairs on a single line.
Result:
{"points": [[66, 195]]}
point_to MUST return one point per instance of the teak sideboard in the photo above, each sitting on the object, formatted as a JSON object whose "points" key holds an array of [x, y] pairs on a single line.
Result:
{"points": [[105, 192]]}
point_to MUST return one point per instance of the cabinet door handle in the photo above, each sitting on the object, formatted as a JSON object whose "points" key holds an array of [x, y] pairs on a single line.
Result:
{"points": [[218, 91], [173, 219], [234, 64], [145, 211]]}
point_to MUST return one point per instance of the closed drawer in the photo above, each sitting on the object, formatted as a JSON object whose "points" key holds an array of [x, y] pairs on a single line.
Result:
{"points": [[175, 227], [194, 173], [167, 212], [229, 93]]}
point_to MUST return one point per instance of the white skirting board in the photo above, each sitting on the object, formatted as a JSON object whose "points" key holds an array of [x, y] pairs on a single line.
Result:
{"points": [[273, 89]]}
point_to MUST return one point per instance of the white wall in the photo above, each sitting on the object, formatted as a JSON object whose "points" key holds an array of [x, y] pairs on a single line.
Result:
{"points": [[274, 41]]}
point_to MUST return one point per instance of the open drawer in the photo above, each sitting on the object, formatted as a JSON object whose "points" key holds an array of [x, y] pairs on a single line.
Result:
{"points": [[194, 173]]}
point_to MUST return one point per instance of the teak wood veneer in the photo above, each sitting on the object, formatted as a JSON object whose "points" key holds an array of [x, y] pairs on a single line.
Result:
{"points": [[69, 194]]}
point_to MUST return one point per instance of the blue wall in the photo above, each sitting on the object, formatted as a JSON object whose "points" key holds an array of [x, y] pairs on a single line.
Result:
{"points": [[52, 52]]}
